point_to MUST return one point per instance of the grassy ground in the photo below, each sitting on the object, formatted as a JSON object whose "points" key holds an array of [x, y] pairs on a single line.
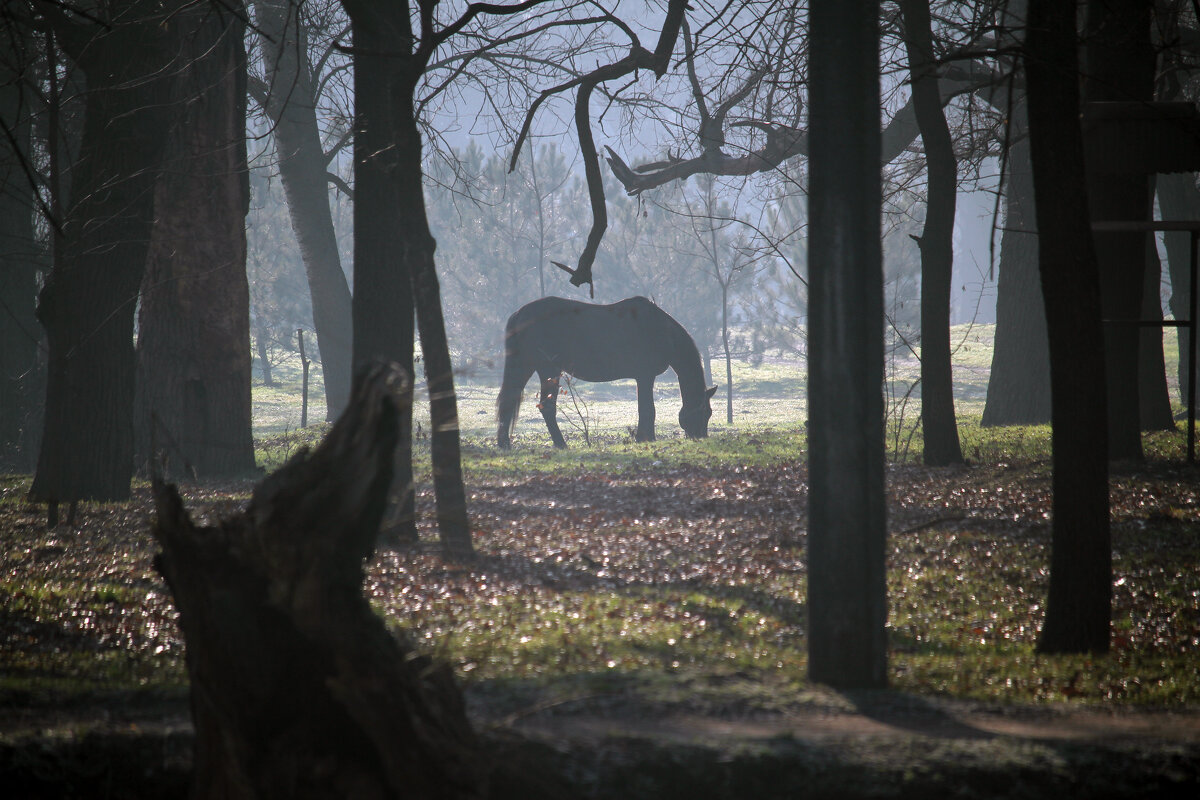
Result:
{"points": [[644, 584]]}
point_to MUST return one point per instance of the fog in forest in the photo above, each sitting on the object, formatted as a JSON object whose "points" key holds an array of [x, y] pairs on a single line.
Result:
{"points": [[698, 249]]}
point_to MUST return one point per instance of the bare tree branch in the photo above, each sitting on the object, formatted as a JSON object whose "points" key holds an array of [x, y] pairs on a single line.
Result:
{"points": [[341, 185], [638, 58], [431, 40], [784, 142]]}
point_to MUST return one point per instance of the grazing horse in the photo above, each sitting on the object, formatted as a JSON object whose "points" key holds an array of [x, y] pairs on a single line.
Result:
{"points": [[630, 339]]}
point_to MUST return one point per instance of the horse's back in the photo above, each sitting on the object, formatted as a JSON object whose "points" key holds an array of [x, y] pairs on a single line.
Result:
{"points": [[592, 341], [549, 308]]}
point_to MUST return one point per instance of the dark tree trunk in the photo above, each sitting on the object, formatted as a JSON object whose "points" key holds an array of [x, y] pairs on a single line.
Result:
{"points": [[1079, 605], [1120, 66], [387, 30], [383, 302], [847, 593], [87, 303], [938, 422], [298, 688], [302, 167], [417, 249], [194, 362], [20, 259], [1180, 200], [1019, 384]]}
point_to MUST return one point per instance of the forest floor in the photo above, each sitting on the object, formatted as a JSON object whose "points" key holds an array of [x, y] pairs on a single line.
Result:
{"points": [[639, 631]]}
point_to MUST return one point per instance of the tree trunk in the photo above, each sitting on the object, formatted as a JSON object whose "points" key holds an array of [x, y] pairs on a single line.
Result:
{"points": [[298, 687], [302, 167], [194, 368], [20, 259], [396, 152], [1078, 609], [938, 423], [1019, 383], [1120, 66], [383, 303], [847, 593], [88, 300], [417, 250]]}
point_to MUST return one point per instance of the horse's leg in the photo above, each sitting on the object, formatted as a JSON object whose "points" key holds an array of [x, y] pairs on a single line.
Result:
{"points": [[548, 404], [645, 395]]}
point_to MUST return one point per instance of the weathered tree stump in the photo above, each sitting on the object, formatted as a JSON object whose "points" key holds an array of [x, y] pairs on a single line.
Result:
{"points": [[298, 688]]}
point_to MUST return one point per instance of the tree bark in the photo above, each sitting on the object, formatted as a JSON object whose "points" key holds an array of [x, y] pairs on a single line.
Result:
{"points": [[938, 422], [847, 594], [302, 167], [1078, 609], [21, 257], [88, 300], [388, 30], [417, 250], [383, 321], [194, 363], [298, 687], [1120, 66], [1019, 383]]}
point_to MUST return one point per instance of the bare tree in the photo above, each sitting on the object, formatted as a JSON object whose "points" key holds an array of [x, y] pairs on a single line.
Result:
{"points": [[21, 256], [192, 402], [936, 242], [88, 301], [1079, 606], [394, 47], [847, 594], [288, 93]]}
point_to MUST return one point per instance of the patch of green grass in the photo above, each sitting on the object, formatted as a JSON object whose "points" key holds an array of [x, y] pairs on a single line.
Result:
{"points": [[961, 629], [60, 676], [75, 637], [14, 488], [643, 629], [731, 447], [1011, 444], [273, 451], [276, 409], [1019, 674]]}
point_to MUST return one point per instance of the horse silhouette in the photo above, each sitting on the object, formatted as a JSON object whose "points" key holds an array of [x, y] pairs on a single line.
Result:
{"points": [[632, 338]]}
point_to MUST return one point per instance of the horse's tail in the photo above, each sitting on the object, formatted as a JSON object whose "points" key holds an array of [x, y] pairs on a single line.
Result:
{"points": [[512, 386]]}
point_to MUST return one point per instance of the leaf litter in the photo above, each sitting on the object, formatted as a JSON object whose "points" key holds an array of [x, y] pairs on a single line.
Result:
{"points": [[678, 572]]}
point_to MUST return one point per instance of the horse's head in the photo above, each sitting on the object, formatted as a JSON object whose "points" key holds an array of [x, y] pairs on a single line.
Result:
{"points": [[693, 417]]}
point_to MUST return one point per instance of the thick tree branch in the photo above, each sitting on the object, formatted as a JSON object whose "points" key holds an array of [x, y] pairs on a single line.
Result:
{"points": [[473, 11], [784, 142], [341, 185]]}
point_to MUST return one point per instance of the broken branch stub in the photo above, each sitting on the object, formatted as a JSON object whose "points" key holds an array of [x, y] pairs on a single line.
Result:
{"points": [[298, 687]]}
